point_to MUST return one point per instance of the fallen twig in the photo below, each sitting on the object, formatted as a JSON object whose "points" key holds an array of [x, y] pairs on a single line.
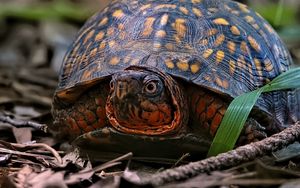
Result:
{"points": [[234, 157], [40, 145], [23, 123], [13, 148]]}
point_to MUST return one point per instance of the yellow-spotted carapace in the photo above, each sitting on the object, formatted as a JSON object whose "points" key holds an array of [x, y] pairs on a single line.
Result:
{"points": [[156, 77]]}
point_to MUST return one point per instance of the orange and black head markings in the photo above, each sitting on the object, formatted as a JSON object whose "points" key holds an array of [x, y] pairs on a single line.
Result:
{"points": [[149, 107]]}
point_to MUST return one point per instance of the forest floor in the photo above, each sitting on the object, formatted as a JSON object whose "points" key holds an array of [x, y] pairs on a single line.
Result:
{"points": [[31, 53]]}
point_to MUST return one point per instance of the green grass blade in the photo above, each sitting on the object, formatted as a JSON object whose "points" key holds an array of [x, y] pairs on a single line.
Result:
{"points": [[240, 108]]}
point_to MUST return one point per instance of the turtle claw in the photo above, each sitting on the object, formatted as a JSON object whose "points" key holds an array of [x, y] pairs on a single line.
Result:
{"points": [[252, 132]]}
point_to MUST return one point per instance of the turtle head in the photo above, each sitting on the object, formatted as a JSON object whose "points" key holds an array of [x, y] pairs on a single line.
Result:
{"points": [[146, 101]]}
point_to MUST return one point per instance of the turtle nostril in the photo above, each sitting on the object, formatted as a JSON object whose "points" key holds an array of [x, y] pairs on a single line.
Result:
{"points": [[121, 89]]}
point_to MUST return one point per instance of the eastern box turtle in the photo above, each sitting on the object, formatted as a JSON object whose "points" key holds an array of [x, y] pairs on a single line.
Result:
{"points": [[155, 77]]}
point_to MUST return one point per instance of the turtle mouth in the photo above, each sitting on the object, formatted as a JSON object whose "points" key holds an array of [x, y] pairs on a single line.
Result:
{"points": [[144, 101]]}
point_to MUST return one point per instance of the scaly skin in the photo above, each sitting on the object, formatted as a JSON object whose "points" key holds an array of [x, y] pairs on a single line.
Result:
{"points": [[85, 115]]}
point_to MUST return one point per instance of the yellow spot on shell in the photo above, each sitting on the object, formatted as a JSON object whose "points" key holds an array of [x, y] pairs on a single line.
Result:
{"points": [[184, 10], [222, 83], [99, 36], [244, 48], [86, 75], [88, 36], [211, 32], [243, 8], [127, 59], [213, 10], [269, 28], [196, 1], [121, 26], [249, 19], [148, 27], [241, 62], [258, 67], [111, 44], [160, 34], [250, 70], [169, 63], [227, 7], [197, 12], [256, 26], [221, 21], [231, 66], [254, 44], [195, 68], [219, 40], [258, 14], [102, 45], [219, 81], [235, 12], [183, 65], [144, 7], [164, 19], [134, 62], [177, 39], [110, 31], [103, 21], [118, 14], [203, 42], [169, 46], [157, 45], [122, 35], [234, 30], [268, 65], [220, 56], [93, 52], [114, 61], [207, 78], [180, 27], [165, 6], [231, 47], [207, 53]]}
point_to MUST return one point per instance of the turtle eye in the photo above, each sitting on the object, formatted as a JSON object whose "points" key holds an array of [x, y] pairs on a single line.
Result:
{"points": [[112, 85], [151, 87]]}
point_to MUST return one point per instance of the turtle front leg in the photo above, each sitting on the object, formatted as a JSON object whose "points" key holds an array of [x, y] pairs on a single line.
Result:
{"points": [[84, 115], [251, 132]]}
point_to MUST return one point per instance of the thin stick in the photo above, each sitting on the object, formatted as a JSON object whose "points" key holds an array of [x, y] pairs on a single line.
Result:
{"points": [[23, 123], [234, 157], [40, 145]]}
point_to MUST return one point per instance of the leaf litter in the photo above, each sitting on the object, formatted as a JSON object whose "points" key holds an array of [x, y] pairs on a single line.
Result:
{"points": [[31, 157]]}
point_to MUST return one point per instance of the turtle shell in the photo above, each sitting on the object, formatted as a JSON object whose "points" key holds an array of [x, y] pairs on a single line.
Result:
{"points": [[217, 44]]}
